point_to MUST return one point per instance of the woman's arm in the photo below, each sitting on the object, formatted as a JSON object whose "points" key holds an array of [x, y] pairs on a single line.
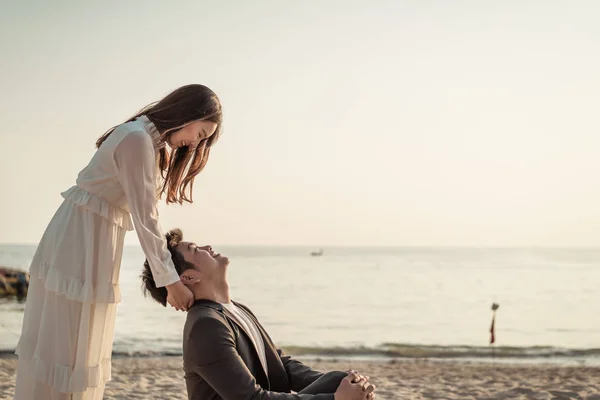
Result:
{"points": [[135, 163]]}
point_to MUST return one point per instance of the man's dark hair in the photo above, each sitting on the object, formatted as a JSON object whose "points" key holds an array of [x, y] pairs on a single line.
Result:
{"points": [[174, 237]]}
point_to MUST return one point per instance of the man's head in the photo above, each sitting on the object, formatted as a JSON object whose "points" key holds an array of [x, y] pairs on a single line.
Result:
{"points": [[199, 267]]}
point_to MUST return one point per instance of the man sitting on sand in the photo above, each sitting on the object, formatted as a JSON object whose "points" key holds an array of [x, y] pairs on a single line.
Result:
{"points": [[227, 354]]}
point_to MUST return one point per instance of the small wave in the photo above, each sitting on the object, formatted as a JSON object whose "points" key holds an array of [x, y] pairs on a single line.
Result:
{"points": [[398, 350], [10, 353], [146, 353], [4, 353]]}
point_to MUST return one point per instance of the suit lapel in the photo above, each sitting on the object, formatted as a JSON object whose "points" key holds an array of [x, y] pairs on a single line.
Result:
{"points": [[234, 320], [277, 373]]}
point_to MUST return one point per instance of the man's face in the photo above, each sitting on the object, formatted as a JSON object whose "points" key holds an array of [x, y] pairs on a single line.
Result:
{"points": [[204, 259]]}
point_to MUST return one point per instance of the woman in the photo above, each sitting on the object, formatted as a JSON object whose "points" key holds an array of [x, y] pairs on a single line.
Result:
{"points": [[67, 336]]}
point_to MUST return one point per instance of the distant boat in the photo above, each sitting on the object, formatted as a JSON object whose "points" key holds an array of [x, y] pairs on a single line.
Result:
{"points": [[13, 283], [317, 253]]}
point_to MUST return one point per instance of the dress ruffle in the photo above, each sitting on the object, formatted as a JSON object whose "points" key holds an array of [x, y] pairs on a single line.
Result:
{"points": [[99, 206], [65, 378], [75, 289]]}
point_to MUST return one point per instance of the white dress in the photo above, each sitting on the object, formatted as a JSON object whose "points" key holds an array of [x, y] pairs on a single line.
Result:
{"points": [[67, 336]]}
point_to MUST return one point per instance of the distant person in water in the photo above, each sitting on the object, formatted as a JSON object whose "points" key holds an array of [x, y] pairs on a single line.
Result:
{"points": [[227, 354], [67, 336]]}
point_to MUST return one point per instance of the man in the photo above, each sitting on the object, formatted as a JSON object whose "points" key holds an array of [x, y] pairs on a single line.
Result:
{"points": [[227, 354]]}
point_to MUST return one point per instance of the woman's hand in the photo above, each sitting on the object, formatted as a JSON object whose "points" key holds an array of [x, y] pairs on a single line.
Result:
{"points": [[180, 296]]}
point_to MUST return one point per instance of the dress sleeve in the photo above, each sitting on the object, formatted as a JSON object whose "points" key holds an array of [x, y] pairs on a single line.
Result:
{"points": [[135, 163]]}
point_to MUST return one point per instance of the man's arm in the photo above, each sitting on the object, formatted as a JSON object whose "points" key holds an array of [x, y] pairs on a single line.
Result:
{"points": [[212, 355], [300, 375]]}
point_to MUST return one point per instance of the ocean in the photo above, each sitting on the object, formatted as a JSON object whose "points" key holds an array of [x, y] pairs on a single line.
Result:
{"points": [[379, 302]]}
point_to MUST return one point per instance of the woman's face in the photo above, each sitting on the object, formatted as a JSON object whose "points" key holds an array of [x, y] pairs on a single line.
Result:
{"points": [[191, 134]]}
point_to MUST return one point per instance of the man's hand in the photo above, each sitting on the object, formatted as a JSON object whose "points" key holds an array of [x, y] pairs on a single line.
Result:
{"points": [[356, 377], [360, 390]]}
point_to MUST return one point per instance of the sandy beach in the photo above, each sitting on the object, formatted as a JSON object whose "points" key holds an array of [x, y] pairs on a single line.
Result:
{"points": [[161, 378]]}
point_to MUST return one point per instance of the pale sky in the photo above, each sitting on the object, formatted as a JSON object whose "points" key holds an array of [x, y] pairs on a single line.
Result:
{"points": [[453, 123]]}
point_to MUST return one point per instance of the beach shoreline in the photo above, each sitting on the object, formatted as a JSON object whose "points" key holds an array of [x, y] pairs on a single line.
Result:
{"points": [[145, 377]]}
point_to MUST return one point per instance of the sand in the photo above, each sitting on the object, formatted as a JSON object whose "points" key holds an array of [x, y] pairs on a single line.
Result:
{"points": [[161, 378]]}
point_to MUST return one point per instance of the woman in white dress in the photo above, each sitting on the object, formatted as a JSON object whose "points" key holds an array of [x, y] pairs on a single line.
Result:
{"points": [[67, 336]]}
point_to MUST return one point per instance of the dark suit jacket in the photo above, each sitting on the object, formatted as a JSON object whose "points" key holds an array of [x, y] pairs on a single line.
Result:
{"points": [[221, 363]]}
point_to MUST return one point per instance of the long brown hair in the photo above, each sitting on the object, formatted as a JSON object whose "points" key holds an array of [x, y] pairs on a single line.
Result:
{"points": [[179, 167]]}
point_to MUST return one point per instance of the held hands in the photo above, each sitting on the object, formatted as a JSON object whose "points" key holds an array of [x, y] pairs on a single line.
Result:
{"points": [[180, 296], [355, 387]]}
